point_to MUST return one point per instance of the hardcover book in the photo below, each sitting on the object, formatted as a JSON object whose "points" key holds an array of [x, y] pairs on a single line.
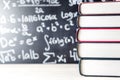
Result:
{"points": [[104, 68], [99, 50], [99, 35], [100, 8], [104, 21]]}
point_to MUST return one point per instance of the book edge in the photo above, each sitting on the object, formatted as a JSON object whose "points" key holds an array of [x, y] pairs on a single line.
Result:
{"points": [[82, 74], [80, 10]]}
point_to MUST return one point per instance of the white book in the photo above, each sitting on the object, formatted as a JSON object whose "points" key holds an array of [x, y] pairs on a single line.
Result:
{"points": [[99, 21], [99, 35], [99, 50], [100, 67], [99, 8]]}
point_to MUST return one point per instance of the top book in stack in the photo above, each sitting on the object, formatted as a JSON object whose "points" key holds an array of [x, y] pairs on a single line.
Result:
{"points": [[99, 8]]}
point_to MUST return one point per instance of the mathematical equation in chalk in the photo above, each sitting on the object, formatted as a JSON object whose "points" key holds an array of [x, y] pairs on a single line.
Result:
{"points": [[38, 31]]}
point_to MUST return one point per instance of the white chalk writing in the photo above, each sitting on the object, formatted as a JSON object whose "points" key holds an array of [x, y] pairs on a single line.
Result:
{"points": [[56, 40], [35, 31], [4, 30], [41, 3], [73, 54], [48, 57], [31, 55], [4, 43], [74, 2], [68, 15], [7, 56], [36, 18], [6, 4]]}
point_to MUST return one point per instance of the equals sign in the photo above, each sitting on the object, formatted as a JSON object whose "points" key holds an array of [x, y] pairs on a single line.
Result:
{"points": [[14, 5]]}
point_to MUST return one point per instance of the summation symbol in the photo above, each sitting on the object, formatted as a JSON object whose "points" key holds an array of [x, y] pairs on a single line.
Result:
{"points": [[48, 56]]}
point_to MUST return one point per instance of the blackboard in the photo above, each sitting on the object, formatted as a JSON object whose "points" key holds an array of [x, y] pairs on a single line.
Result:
{"points": [[38, 31]]}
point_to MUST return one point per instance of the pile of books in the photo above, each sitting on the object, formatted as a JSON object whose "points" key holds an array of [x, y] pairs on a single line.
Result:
{"points": [[99, 39]]}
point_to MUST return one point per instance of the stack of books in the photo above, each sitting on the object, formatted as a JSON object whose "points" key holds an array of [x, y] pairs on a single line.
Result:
{"points": [[99, 39]]}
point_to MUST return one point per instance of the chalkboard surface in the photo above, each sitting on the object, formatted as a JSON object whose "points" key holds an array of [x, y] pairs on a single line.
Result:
{"points": [[38, 31]]}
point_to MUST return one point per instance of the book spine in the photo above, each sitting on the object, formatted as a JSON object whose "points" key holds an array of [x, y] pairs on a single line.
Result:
{"points": [[79, 8], [111, 21], [98, 35], [102, 2], [99, 50], [99, 68]]}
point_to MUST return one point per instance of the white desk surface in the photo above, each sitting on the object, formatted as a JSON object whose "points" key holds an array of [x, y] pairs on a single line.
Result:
{"points": [[44, 72]]}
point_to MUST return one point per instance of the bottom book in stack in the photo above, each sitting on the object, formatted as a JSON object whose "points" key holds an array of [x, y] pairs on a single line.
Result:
{"points": [[104, 68], [99, 50], [99, 59]]}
